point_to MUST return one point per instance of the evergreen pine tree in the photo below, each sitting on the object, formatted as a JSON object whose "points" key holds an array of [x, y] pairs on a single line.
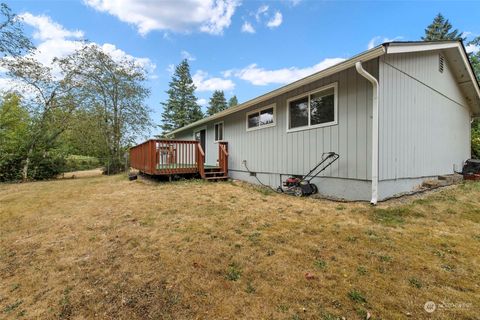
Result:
{"points": [[475, 56], [232, 102], [181, 107], [439, 29], [217, 102]]}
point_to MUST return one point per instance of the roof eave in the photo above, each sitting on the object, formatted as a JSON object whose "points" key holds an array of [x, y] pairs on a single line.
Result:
{"points": [[365, 56]]}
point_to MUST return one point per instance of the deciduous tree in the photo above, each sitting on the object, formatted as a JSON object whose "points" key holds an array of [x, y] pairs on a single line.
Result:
{"points": [[13, 42], [115, 91]]}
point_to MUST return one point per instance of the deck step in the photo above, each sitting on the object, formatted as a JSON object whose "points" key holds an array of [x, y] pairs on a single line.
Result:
{"points": [[216, 178], [215, 172]]}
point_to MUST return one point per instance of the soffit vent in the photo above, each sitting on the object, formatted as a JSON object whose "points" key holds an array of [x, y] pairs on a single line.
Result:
{"points": [[441, 63]]}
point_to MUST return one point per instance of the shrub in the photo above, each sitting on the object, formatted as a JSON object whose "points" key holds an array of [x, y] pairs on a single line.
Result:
{"points": [[79, 163], [47, 166], [10, 167], [476, 139]]}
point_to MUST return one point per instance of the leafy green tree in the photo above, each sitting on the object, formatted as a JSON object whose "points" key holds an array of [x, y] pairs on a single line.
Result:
{"points": [[13, 42], [84, 136], [475, 61], [14, 124], [217, 102], [232, 102], [115, 92], [181, 107], [441, 29], [53, 99]]}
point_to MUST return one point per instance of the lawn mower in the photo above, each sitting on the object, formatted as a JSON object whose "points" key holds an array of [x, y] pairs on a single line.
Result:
{"points": [[301, 186], [471, 169]]}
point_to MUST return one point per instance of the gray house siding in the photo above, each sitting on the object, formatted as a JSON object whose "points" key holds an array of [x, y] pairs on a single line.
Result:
{"points": [[274, 151], [424, 120], [424, 129]]}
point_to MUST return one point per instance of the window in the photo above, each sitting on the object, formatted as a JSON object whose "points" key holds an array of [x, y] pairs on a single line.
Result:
{"points": [[261, 118], [219, 131], [315, 109]]}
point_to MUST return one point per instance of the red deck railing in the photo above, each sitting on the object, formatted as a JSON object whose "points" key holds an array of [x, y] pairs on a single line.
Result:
{"points": [[223, 156], [166, 157]]}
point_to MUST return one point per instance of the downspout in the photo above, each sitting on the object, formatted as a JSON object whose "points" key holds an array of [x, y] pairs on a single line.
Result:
{"points": [[374, 82]]}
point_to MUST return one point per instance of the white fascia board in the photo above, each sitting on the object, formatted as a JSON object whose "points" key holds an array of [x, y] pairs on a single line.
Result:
{"points": [[366, 56], [418, 47]]}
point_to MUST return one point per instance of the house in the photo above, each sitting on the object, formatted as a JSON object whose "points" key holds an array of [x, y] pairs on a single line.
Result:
{"points": [[396, 114]]}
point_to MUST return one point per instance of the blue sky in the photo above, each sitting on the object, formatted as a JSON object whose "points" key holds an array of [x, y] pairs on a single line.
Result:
{"points": [[245, 48]]}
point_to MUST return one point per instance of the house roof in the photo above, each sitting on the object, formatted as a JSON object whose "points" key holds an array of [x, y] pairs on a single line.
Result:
{"points": [[465, 74]]}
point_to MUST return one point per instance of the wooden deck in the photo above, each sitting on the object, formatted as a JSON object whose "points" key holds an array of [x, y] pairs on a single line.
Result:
{"points": [[174, 157]]}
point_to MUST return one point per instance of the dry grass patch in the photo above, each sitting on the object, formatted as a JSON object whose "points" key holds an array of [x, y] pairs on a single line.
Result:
{"points": [[104, 247]]}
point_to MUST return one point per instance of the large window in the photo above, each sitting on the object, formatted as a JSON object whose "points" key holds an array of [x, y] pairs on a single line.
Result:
{"points": [[219, 131], [314, 109], [261, 118]]}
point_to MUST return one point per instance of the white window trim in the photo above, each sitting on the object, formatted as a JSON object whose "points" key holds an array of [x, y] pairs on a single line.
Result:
{"points": [[223, 131], [308, 94], [273, 124]]}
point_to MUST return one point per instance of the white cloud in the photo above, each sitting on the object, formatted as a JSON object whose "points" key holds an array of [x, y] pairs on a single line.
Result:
{"points": [[120, 55], [247, 27], [210, 16], [276, 21], [261, 11], [203, 102], [57, 42], [295, 2], [46, 29], [204, 82], [187, 55], [379, 40], [171, 68], [471, 48], [259, 76]]}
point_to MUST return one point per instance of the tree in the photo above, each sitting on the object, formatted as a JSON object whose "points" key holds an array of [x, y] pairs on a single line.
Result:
{"points": [[181, 107], [12, 40], [14, 124], [233, 102], [440, 29], [217, 102], [84, 136], [475, 57], [115, 92], [53, 99]]}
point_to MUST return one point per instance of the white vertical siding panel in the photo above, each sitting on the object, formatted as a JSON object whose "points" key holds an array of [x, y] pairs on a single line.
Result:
{"points": [[361, 124], [351, 123], [428, 133]]}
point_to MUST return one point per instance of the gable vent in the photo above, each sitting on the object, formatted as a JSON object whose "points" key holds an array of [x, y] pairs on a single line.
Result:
{"points": [[441, 63]]}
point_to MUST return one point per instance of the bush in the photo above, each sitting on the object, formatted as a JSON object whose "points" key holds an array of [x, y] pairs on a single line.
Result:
{"points": [[47, 166], [79, 163], [476, 139], [10, 167], [113, 165]]}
